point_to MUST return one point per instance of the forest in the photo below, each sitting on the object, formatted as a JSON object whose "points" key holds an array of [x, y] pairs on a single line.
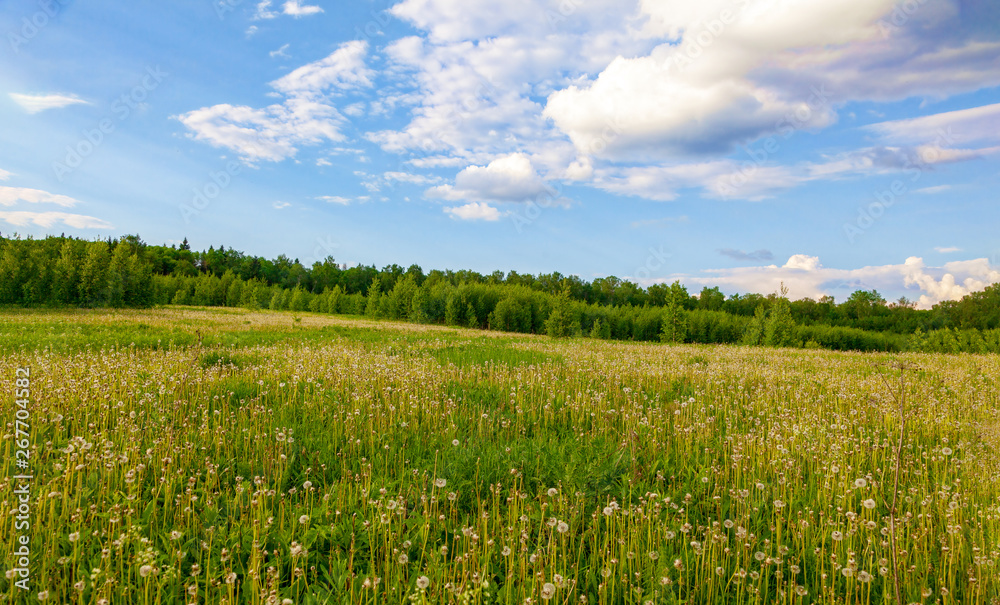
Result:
{"points": [[126, 272]]}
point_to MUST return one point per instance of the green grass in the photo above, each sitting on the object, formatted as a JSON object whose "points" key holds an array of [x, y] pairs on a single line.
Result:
{"points": [[298, 460]]}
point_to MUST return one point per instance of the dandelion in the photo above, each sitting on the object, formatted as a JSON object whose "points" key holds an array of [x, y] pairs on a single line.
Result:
{"points": [[653, 555], [864, 576], [552, 492], [548, 590], [728, 524], [801, 590], [778, 504], [175, 535], [307, 485], [403, 559], [423, 582], [869, 504], [43, 596], [562, 527], [720, 571], [454, 442], [847, 572], [837, 536], [439, 483], [759, 556], [608, 511], [303, 519], [506, 551], [73, 537], [946, 451], [860, 482]]}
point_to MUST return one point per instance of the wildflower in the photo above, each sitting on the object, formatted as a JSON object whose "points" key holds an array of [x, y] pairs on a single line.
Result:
{"points": [[778, 504], [403, 559], [801, 591], [454, 442], [423, 582], [44, 595], [506, 551], [869, 504], [728, 524], [860, 482], [838, 536], [231, 577], [552, 492], [864, 576], [607, 511], [847, 572], [439, 483], [653, 555], [562, 527], [720, 571], [73, 537], [946, 451], [303, 519], [548, 591], [307, 485], [759, 556], [175, 535]]}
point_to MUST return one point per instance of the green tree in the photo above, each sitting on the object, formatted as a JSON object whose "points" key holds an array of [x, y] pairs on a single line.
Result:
{"points": [[674, 327], [780, 328], [562, 322], [754, 334]]}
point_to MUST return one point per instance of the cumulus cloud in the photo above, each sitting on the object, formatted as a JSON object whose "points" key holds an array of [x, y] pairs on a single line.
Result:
{"points": [[474, 211], [22, 218], [11, 195], [805, 276], [38, 103], [510, 178], [305, 117], [296, 9]]}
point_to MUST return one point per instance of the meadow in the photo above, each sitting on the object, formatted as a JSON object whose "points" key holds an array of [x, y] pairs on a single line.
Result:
{"points": [[190, 455]]}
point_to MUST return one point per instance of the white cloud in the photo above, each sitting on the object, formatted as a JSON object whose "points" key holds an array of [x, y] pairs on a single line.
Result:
{"points": [[4, 175], [343, 69], [335, 199], [932, 190], [264, 11], [947, 249], [37, 103], [305, 117], [281, 52], [293, 8], [279, 205], [510, 178], [48, 219], [406, 177], [11, 195], [805, 276], [323, 162], [475, 211]]}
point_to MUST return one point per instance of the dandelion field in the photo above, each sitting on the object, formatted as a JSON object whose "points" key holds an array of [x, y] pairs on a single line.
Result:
{"points": [[228, 456]]}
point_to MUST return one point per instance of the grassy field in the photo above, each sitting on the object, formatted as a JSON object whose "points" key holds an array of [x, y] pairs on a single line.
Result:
{"points": [[224, 456]]}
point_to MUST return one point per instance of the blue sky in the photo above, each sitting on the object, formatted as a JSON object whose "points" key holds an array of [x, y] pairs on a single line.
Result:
{"points": [[741, 143]]}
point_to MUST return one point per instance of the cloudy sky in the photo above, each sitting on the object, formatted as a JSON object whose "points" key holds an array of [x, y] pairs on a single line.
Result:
{"points": [[739, 143]]}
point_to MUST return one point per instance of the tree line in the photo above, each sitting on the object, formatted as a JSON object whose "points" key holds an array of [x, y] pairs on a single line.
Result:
{"points": [[126, 272]]}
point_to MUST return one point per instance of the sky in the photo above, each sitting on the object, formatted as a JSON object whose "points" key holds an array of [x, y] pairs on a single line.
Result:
{"points": [[829, 146]]}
